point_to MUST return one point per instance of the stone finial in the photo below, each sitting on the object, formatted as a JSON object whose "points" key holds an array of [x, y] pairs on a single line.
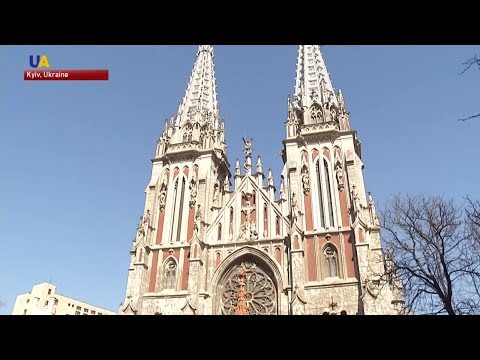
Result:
{"points": [[237, 168], [270, 177], [259, 165]]}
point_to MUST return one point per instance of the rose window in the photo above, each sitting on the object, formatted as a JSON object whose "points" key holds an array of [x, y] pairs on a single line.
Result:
{"points": [[248, 290]]}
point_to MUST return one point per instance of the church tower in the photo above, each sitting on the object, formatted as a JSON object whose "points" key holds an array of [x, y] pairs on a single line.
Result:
{"points": [[209, 245]]}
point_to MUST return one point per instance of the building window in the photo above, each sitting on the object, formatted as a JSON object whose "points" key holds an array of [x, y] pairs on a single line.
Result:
{"points": [[46, 303], [77, 312], [265, 220], [331, 261], [28, 300], [93, 312], [85, 310], [219, 235], [320, 196], [170, 275], [230, 229], [100, 313], [49, 291], [277, 225], [68, 304], [329, 193], [179, 197], [79, 308], [25, 312]]}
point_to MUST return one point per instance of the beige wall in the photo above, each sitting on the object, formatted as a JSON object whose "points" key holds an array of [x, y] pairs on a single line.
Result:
{"points": [[43, 300]]}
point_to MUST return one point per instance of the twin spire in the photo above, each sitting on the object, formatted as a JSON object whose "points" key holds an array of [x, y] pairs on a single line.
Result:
{"points": [[312, 83], [201, 93]]}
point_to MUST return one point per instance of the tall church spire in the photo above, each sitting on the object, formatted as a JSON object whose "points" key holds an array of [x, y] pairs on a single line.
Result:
{"points": [[313, 83], [197, 124], [201, 94]]}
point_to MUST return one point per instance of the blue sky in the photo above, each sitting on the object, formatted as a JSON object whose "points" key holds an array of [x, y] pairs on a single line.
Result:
{"points": [[75, 156]]}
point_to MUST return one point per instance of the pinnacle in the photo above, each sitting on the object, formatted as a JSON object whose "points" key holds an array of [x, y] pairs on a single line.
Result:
{"points": [[201, 94], [313, 82]]}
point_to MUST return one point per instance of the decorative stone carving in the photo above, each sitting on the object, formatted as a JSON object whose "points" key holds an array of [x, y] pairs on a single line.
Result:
{"points": [[193, 189], [162, 197], [259, 165], [198, 220], [248, 290], [226, 184], [339, 175], [248, 146], [237, 168], [294, 208], [316, 115], [270, 178], [306, 182], [216, 194]]}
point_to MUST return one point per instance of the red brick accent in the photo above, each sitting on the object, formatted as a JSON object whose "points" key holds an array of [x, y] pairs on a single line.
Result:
{"points": [[278, 255], [153, 272], [186, 267], [310, 255], [344, 208], [308, 212]]}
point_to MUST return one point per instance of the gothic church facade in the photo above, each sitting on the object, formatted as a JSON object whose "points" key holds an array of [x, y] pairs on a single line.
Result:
{"points": [[215, 242]]}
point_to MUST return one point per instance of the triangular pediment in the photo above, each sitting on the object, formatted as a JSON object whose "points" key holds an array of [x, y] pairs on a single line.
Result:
{"points": [[252, 206]]}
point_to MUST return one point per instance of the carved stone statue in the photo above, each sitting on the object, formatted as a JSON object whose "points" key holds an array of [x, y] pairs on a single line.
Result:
{"points": [[216, 195], [162, 196], [242, 232], [198, 220], [339, 174], [356, 198], [306, 182], [253, 231], [140, 230], [248, 146], [294, 208], [389, 264], [146, 220]]}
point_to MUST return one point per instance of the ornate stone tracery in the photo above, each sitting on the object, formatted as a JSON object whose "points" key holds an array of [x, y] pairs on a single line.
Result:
{"points": [[248, 290]]}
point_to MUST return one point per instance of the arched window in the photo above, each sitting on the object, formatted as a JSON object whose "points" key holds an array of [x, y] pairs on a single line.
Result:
{"points": [[254, 197], [187, 134], [277, 225], [170, 275], [265, 220], [330, 254], [320, 196], [179, 198], [329, 193], [230, 227]]}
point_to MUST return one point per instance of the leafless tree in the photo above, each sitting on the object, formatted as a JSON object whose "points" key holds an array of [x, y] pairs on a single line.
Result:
{"points": [[434, 254], [468, 64]]}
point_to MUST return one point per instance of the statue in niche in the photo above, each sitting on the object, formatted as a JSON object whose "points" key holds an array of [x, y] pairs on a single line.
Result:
{"points": [[198, 220], [306, 182], [162, 196], [216, 195], [294, 208], [339, 175]]}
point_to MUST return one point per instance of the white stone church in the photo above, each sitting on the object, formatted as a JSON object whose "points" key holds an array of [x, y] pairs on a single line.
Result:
{"points": [[216, 243]]}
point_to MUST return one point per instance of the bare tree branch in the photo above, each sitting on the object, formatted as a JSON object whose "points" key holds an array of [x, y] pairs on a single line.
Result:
{"points": [[470, 117], [468, 64], [434, 253]]}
